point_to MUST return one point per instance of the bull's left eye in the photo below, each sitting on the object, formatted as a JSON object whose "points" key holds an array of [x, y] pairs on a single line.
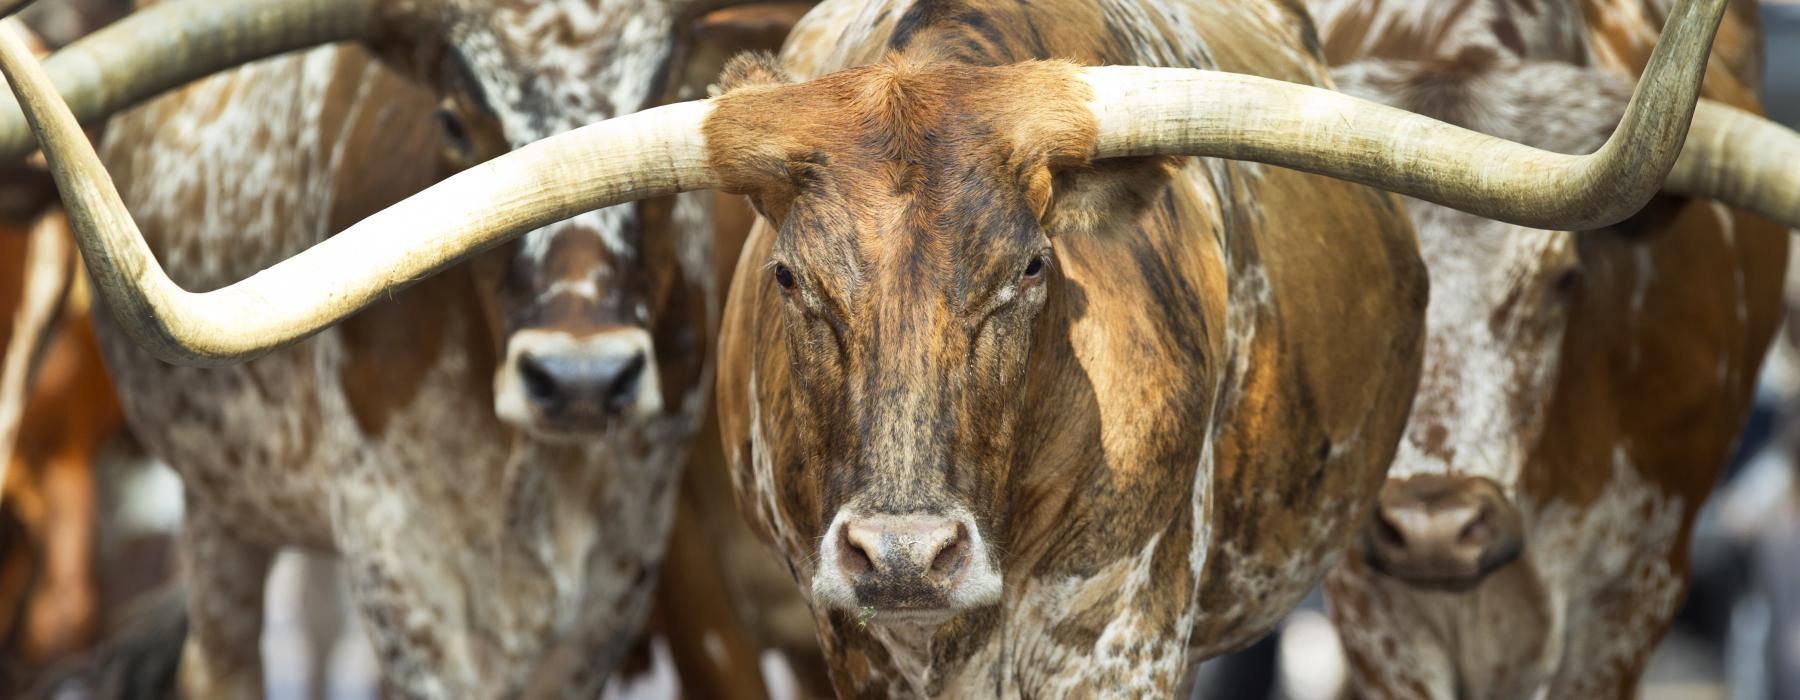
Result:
{"points": [[784, 276], [454, 132], [1567, 282], [1033, 269]]}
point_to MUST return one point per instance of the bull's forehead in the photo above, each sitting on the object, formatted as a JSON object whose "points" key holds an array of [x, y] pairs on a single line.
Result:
{"points": [[941, 247], [902, 177], [1493, 343], [1478, 257], [547, 66]]}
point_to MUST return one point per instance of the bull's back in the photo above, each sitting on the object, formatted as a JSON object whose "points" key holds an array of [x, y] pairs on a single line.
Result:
{"points": [[237, 172]]}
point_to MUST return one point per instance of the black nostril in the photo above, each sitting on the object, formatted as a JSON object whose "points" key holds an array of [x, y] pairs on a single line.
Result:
{"points": [[623, 388], [539, 383], [1479, 528], [952, 556], [853, 559], [1387, 533]]}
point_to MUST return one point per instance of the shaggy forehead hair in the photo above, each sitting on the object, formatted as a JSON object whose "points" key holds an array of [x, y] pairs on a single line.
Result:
{"points": [[911, 125]]}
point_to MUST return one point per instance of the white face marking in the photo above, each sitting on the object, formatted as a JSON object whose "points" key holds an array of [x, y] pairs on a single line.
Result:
{"points": [[1494, 332], [1495, 320], [586, 288], [547, 67], [587, 62]]}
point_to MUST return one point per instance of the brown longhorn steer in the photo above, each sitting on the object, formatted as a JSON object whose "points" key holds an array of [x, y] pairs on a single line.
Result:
{"points": [[493, 454], [1581, 390], [1023, 425], [1049, 397]]}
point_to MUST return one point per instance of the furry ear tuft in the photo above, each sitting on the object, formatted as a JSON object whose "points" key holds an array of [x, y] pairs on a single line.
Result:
{"points": [[752, 69]]}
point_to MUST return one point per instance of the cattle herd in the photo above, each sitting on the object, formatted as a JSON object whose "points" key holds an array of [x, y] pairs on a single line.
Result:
{"points": [[946, 348]]}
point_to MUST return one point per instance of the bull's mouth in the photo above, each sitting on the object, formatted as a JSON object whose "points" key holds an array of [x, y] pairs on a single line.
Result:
{"points": [[921, 617], [573, 430], [1446, 578]]}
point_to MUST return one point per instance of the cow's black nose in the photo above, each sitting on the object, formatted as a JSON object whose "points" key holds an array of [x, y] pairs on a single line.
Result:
{"points": [[577, 384]]}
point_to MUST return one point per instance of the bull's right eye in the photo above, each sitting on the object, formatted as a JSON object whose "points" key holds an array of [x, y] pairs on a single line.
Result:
{"points": [[454, 131], [784, 276], [1035, 268]]}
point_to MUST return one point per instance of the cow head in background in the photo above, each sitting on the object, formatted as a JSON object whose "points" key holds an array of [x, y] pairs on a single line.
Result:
{"points": [[602, 319]]}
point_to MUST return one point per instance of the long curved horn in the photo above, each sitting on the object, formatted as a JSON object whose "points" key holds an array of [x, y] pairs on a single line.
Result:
{"points": [[173, 43], [647, 154], [1165, 111], [1743, 160]]}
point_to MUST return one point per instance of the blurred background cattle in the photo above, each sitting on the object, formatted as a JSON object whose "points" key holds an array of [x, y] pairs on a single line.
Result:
{"points": [[89, 603], [1738, 632]]}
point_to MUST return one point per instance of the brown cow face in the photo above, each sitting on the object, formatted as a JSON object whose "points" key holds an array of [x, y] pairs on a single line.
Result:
{"points": [[1500, 301], [909, 268], [600, 326], [1501, 298], [910, 328]]}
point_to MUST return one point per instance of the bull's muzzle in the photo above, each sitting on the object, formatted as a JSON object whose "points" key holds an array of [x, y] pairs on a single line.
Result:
{"points": [[1443, 532], [556, 383], [905, 567]]}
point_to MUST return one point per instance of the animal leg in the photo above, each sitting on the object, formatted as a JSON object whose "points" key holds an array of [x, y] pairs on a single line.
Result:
{"points": [[1611, 642], [225, 578], [323, 602]]}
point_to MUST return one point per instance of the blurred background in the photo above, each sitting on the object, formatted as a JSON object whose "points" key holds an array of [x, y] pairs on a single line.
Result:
{"points": [[88, 605]]}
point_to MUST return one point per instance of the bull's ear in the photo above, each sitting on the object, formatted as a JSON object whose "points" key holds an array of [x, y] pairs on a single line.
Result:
{"points": [[1085, 200], [751, 140], [752, 70]]}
